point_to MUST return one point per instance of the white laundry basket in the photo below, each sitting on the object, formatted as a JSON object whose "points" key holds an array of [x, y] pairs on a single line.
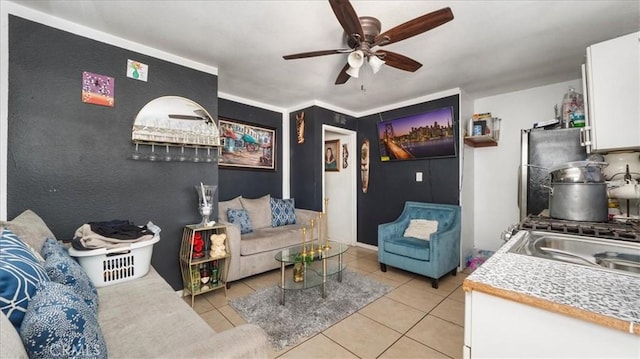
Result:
{"points": [[111, 266]]}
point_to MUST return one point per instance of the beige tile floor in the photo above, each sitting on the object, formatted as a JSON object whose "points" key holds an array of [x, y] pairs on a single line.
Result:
{"points": [[412, 321]]}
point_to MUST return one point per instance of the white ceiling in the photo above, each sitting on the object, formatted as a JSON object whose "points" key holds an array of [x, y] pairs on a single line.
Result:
{"points": [[490, 47]]}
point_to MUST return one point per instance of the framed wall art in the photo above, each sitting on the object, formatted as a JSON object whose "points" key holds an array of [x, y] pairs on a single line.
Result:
{"points": [[422, 136], [332, 150], [98, 89], [246, 145]]}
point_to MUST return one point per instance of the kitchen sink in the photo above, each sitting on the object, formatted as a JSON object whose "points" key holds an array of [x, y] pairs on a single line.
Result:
{"points": [[601, 253]]}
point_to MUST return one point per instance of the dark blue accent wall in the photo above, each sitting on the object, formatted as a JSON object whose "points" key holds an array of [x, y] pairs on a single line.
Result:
{"points": [[251, 183], [391, 184], [306, 174], [67, 160]]}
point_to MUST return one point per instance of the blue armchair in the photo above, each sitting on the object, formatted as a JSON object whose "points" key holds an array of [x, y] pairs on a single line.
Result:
{"points": [[433, 258]]}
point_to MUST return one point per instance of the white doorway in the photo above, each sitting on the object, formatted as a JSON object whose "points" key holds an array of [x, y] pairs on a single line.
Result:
{"points": [[340, 187]]}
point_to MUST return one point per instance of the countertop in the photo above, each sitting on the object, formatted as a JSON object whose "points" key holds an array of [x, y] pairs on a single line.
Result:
{"points": [[598, 296]]}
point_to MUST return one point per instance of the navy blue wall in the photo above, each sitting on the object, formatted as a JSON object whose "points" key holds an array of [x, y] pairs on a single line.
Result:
{"points": [[306, 174], [391, 184], [68, 160], [251, 183]]}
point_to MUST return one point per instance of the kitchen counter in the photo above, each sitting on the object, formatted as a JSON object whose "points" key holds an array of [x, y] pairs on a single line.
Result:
{"points": [[598, 296]]}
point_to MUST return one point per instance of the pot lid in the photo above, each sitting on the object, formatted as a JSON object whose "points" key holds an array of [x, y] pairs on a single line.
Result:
{"points": [[578, 164]]}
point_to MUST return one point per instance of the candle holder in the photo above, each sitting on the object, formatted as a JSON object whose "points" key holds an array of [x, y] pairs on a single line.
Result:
{"points": [[205, 203], [326, 225], [304, 242], [319, 230], [312, 250]]}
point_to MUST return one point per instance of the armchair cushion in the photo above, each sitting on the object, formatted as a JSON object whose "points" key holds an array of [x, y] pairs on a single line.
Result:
{"points": [[408, 247], [421, 228]]}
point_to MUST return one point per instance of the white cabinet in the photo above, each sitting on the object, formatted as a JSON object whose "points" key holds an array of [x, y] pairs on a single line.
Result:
{"points": [[500, 328], [613, 93]]}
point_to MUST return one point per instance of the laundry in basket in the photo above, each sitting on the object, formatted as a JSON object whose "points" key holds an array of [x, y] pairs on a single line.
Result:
{"points": [[114, 260]]}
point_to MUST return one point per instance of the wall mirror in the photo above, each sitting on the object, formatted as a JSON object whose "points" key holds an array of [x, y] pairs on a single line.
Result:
{"points": [[174, 120]]}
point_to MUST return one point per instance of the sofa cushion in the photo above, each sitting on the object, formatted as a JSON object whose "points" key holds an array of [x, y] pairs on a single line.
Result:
{"points": [[165, 325], [60, 323], [223, 207], [270, 238], [408, 247], [259, 210], [63, 269], [241, 218], [283, 212], [20, 274], [30, 229], [421, 228]]}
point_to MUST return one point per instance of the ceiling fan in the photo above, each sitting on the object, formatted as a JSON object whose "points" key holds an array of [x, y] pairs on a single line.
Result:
{"points": [[363, 36]]}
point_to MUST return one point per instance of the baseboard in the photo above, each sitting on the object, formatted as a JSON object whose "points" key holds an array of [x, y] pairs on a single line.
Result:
{"points": [[367, 246]]}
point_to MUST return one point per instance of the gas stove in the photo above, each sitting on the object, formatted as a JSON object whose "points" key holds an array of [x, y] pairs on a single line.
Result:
{"points": [[628, 230]]}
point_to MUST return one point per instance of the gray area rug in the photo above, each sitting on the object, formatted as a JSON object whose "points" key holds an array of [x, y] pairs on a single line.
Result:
{"points": [[305, 312]]}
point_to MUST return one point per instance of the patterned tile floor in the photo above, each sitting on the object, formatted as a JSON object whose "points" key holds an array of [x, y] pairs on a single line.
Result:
{"points": [[412, 321]]}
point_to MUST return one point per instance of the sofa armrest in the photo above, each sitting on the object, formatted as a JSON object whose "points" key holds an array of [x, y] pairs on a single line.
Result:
{"points": [[244, 341], [445, 246], [392, 229], [233, 240]]}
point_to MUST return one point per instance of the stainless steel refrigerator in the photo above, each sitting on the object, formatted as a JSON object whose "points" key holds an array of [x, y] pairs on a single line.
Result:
{"points": [[541, 150]]}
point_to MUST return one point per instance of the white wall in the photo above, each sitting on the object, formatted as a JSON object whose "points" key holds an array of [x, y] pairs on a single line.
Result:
{"points": [[495, 169]]}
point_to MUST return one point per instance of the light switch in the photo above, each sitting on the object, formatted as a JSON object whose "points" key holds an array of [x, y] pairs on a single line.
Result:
{"points": [[418, 176]]}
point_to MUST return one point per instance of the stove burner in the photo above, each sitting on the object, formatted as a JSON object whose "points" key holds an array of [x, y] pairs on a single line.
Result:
{"points": [[629, 231]]}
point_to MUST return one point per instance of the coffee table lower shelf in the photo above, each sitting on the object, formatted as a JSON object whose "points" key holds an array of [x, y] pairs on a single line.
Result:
{"points": [[316, 272]]}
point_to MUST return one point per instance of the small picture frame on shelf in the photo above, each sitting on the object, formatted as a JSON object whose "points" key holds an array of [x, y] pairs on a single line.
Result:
{"points": [[479, 128]]}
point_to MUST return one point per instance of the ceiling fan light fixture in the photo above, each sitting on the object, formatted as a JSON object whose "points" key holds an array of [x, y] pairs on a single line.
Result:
{"points": [[353, 71], [376, 63], [356, 59]]}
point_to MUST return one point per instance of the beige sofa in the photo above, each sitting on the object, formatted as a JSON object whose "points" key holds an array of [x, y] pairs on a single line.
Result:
{"points": [[254, 252], [143, 318]]}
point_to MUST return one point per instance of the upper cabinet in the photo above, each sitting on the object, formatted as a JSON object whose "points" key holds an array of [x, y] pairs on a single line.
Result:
{"points": [[612, 76]]}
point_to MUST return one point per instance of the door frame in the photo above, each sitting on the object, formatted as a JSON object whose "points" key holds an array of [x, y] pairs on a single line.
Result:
{"points": [[352, 206]]}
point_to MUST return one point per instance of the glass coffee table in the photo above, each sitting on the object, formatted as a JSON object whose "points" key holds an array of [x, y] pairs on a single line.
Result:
{"points": [[323, 263]]}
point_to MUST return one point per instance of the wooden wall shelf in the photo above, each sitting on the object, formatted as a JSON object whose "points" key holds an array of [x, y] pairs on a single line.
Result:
{"points": [[480, 141]]}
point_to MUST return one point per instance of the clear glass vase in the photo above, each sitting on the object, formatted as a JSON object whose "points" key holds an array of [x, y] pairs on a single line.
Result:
{"points": [[205, 202]]}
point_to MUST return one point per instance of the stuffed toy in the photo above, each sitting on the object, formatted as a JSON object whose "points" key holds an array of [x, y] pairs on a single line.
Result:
{"points": [[217, 245]]}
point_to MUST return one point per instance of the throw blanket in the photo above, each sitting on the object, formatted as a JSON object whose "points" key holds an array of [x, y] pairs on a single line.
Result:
{"points": [[112, 234]]}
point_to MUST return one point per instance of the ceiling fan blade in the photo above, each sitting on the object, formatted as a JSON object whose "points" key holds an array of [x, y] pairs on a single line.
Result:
{"points": [[400, 61], [303, 55], [343, 76], [414, 27], [347, 18]]}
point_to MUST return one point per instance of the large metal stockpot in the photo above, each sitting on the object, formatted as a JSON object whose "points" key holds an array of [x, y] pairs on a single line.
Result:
{"points": [[578, 172], [579, 201]]}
